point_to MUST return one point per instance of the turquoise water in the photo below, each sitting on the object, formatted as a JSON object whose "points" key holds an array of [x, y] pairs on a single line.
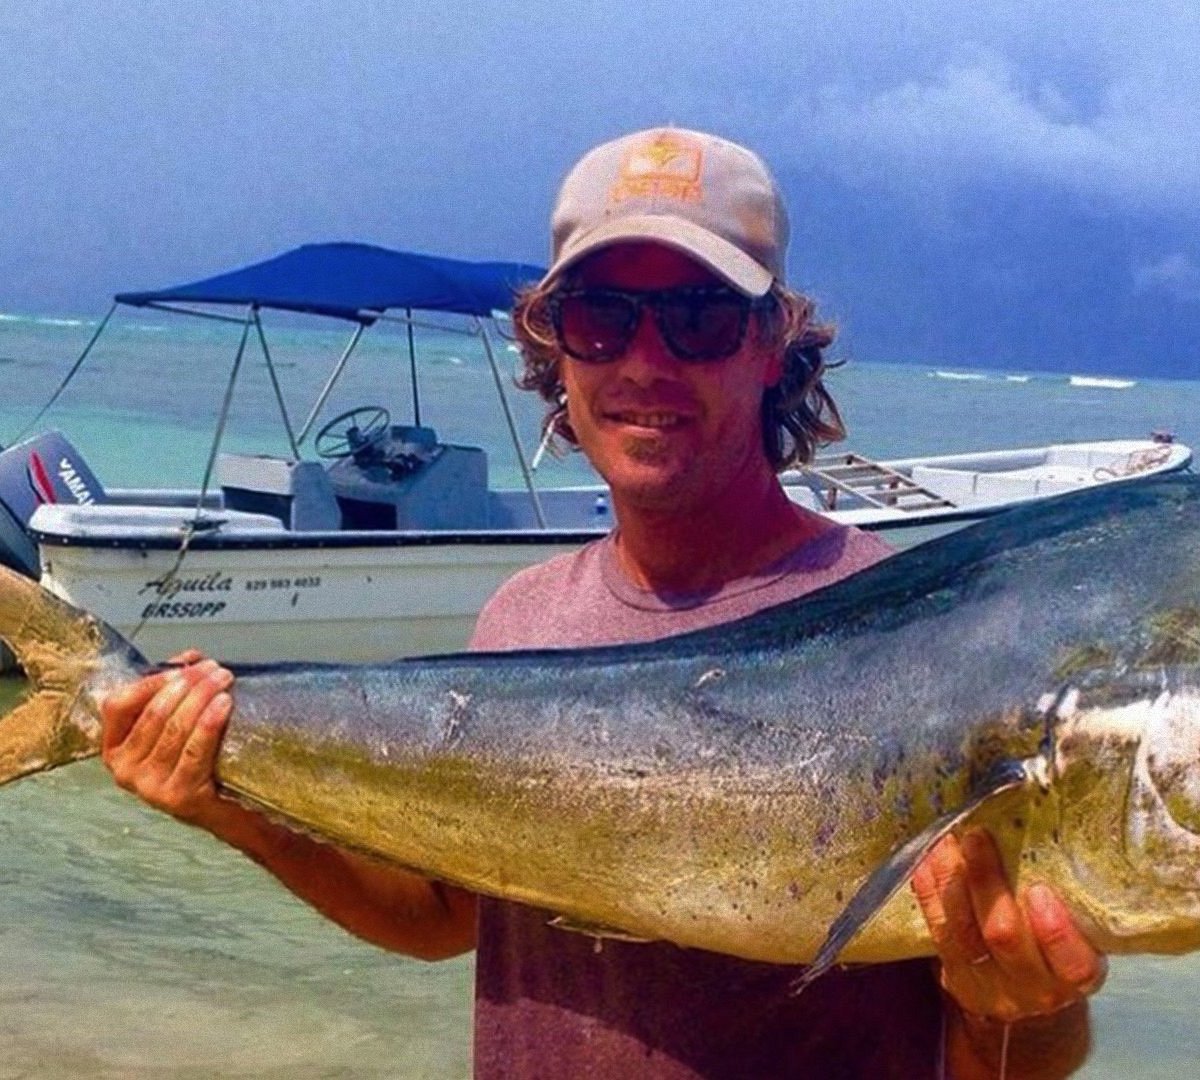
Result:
{"points": [[135, 947]]}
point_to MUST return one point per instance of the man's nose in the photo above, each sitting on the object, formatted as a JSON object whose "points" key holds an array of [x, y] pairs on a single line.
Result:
{"points": [[647, 355]]}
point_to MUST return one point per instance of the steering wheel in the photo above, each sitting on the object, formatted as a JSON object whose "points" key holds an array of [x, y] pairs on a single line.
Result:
{"points": [[350, 432]]}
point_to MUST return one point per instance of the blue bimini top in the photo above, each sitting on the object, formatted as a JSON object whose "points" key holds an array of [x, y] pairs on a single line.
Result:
{"points": [[349, 281]]}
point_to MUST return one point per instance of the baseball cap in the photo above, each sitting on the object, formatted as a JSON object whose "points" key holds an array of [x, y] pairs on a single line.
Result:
{"points": [[703, 195]]}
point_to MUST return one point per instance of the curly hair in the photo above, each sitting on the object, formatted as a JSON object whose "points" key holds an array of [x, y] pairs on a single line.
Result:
{"points": [[798, 413]]}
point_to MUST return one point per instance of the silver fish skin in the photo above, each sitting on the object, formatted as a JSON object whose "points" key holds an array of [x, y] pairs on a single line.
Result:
{"points": [[763, 788]]}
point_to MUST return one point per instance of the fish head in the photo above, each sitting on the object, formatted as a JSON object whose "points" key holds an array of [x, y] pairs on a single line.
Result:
{"points": [[1162, 837], [1127, 774]]}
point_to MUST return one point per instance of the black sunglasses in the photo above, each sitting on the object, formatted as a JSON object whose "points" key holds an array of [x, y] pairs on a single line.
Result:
{"points": [[697, 322]]}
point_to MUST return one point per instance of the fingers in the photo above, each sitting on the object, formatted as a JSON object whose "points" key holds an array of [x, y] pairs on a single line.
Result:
{"points": [[120, 709], [180, 704], [1002, 923], [188, 656], [940, 884], [162, 736], [166, 712], [1000, 956], [198, 755], [1068, 954]]}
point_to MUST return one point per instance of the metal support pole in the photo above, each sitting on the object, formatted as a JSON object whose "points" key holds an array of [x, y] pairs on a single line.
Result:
{"points": [[412, 368], [512, 426], [70, 375], [329, 384], [225, 404], [287, 423], [543, 446]]}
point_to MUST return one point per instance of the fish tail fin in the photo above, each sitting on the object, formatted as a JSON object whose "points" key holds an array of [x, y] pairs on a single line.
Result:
{"points": [[67, 655]]}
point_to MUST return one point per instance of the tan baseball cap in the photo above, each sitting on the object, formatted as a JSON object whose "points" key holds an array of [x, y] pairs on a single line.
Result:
{"points": [[707, 197]]}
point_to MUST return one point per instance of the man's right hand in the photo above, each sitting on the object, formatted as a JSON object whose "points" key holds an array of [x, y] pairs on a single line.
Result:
{"points": [[161, 737]]}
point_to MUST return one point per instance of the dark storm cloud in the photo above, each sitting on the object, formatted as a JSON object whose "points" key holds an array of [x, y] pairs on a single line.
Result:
{"points": [[147, 142]]}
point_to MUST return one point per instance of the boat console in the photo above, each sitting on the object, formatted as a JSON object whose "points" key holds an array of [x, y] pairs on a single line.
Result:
{"points": [[398, 477], [402, 477]]}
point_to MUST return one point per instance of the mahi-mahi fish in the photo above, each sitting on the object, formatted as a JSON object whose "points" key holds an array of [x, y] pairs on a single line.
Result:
{"points": [[762, 788]]}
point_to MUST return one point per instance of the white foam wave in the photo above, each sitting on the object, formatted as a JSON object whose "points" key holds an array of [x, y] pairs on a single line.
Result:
{"points": [[961, 376], [1101, 381]]}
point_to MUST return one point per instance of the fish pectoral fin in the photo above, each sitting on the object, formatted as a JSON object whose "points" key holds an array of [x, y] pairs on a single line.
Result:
{"points": [[595, 930], [887, 878]]}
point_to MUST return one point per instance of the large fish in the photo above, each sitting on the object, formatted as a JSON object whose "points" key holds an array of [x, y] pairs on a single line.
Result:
{"points": [[763, 788]]}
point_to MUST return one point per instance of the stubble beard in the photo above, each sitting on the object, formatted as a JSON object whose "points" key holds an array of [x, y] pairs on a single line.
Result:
{"points": [[672, 490]]}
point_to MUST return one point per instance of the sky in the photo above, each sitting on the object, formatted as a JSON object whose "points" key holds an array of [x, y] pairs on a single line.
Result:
{"points": [[977, 183]]}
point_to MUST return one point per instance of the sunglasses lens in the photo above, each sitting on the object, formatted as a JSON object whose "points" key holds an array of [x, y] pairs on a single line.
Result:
{"points": [[595, 325], [703, 325]]}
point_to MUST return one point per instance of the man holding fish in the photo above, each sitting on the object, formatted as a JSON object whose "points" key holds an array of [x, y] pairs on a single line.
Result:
{"points": [[674, 356]]}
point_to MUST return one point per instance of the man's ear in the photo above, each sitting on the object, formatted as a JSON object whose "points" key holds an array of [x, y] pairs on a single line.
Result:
{"points": [[768, 339], [773, 372]]}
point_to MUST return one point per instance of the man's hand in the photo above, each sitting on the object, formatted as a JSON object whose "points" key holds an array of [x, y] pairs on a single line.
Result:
{"points": [[1002, 958], [1017, 971], [161, 737]]}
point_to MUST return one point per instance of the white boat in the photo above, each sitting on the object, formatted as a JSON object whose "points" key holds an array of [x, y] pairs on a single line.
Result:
{"points": [[389, 541], [909, 493]]}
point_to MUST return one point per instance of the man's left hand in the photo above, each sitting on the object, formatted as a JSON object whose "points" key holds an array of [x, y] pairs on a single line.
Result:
{"points": [[1003, 958]]}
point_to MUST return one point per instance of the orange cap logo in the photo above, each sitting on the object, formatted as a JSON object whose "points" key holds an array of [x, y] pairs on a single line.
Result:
{"points": [[668, 166]]}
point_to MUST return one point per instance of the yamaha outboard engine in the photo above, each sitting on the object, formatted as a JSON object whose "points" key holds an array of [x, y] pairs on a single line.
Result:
{"points": [[44, 469]]}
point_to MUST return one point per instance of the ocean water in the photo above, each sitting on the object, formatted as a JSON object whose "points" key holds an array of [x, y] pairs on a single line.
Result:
{"points": [[134, 947]]}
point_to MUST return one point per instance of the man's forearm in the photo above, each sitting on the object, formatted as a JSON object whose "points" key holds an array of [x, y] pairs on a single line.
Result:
{"points": [[1038, 1048], [385, 905]]}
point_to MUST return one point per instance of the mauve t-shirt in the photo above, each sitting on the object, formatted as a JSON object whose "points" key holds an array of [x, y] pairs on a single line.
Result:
{"points": [[550, 1003]]}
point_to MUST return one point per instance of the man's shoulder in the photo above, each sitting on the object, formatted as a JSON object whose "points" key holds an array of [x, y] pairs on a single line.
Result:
{"points": [[553, 573], [527, 597]]}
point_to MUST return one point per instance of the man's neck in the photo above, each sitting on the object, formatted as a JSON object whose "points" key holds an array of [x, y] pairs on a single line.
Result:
{"points": [[702, 548]]}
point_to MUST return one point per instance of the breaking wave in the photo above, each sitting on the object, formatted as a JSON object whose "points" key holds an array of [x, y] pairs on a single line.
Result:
{"points": [[961, 376], [1101, 381]]}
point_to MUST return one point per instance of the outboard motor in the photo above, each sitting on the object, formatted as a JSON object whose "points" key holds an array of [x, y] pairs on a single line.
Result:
{"points": [[44, 469]]}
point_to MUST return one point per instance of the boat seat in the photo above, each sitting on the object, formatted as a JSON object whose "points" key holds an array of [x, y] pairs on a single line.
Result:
{"points": [[981, 487], [298, 493]]}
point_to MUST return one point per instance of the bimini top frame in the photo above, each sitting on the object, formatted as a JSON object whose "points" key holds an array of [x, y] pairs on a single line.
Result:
{"points": [[360, 283]]}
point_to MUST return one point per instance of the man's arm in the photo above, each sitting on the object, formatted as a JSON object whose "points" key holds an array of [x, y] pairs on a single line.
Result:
{"points": [[160, 742], [1016, 972]]}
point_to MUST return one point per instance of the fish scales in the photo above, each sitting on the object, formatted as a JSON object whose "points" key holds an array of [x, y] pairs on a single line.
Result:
{"points": [[732, 788]]}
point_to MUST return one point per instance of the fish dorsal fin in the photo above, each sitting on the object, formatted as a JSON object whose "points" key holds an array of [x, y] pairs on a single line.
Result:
{"points": [[889, 876]]}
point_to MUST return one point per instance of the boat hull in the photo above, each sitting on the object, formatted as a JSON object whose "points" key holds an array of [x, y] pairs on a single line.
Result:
{"points": [[251, 604], [247, 589]]}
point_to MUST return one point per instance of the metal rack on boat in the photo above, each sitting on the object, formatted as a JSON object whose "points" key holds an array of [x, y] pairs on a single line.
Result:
{"points": [[835, 475]]}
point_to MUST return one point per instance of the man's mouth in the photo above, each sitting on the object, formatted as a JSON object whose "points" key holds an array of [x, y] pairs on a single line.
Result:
{"points": [[657, 419]]}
